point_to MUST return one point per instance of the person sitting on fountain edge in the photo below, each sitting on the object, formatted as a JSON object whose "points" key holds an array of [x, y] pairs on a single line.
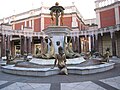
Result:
{"points": [[61, 59]]}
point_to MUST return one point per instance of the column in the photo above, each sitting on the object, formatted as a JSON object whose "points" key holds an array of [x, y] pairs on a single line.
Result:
{"points": [[79, 45], [8, 49], [96, 42], [29, 45], [0, 44], [25, 44], [98, 18], [42, 21], [3, 47], [89, 39], [100, 44], [32, 45], [76, 44], [12, 48], [22, 45], [74, 20], [92, 42], [32, 23], [113, 43], [8, 46], [86, 43], [42, 45], [73, 43]]}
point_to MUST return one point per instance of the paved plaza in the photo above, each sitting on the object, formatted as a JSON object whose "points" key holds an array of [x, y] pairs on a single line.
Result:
{"points": [[109, 80]]}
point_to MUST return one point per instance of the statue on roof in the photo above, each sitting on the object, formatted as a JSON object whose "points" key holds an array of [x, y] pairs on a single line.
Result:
{"points": [[57, 11]]}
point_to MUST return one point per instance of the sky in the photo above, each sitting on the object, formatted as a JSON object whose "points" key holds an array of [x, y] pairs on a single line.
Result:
{"points": [[11, 7]]}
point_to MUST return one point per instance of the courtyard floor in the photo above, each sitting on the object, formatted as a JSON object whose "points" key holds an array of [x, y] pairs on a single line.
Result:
{"points": [[109, 80]]}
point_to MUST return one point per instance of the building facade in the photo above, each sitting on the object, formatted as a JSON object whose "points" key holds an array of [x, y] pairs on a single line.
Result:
{"points": [[24, 32], [108, 19]]}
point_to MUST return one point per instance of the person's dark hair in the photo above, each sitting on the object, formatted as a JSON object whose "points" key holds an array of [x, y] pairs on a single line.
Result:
{"points": [[58, 43], [108, 49], [60, 49]]}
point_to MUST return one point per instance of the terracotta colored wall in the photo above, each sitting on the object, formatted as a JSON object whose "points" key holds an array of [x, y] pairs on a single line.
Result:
{"points": [[67, 21], [81, 26], [18, 25], [107, 18], [37, 25], [28, 23], [47, 22]]}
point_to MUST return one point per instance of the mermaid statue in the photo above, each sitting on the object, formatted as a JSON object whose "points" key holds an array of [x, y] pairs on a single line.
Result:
{"points": [[51, 52], [68, 50]]}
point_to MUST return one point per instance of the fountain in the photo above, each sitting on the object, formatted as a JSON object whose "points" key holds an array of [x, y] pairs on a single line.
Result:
{"points": [[56, 36]]}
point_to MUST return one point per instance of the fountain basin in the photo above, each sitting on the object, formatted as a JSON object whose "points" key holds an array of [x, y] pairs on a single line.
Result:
{"points": [[51, 61], [48, 71]]}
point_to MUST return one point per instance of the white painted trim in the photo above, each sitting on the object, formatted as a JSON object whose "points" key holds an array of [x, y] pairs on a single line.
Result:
{"points": [[30, 23], [42, 22], [19, 21], [107, 7], [26, 20], [36, 17], [64, 15], [67, 15], [74, 20], [98, 19], [33, 24], [115, 7], [47, 15], [22, 27], [117, 18], [13, 26]]}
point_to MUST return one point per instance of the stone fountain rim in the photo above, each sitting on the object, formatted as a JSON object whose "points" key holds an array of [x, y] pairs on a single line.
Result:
{"points": [[48, 71]]}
